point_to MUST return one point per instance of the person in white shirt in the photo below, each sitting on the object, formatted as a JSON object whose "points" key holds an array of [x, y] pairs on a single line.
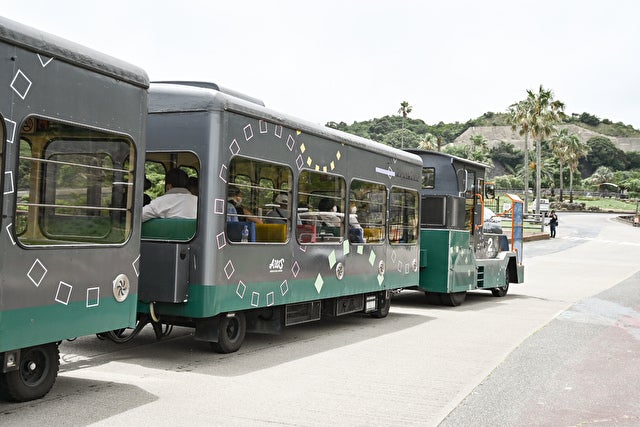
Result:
{"points": [[176, 202]]}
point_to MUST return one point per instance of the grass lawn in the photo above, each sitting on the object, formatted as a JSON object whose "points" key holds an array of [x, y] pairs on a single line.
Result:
{"points": [[607, 204]]}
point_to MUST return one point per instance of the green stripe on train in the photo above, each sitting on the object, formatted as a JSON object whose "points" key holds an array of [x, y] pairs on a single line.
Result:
{"points": [[206, 301], [38, 325]]}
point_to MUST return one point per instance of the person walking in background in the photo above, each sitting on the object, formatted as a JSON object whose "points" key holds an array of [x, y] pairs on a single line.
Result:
{"points": [[553, 223]]}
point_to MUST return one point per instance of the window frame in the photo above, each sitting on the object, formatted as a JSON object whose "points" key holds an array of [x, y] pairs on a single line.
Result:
{"points": [[113, 199], [404, 225], [372, 228]]}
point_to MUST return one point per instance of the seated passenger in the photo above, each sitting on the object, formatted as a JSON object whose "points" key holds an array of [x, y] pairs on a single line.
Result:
{"points": [[280, 213], [176, 202], [235, 210], [355, 229], [327, 214], [192, 185], [146, 199]]}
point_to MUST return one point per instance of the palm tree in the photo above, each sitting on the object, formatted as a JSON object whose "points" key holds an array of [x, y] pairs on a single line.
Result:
{"points": [[559, 144], [575, 149], [429, 142], [479, 150], [546, 113], [520, 117], [404, 110]]}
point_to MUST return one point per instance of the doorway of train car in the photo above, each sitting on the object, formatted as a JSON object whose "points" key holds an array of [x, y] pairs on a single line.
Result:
{"points": [[165, 251]]}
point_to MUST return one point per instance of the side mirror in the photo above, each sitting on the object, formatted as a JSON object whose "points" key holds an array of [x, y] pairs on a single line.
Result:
{"points": [[490, 191]]}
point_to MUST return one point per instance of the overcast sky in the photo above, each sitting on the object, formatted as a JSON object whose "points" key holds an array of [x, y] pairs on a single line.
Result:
{"points": [[329, 60]]}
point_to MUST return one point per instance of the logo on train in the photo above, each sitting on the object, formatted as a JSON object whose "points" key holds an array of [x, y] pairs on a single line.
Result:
{"points": [[276, 265]]}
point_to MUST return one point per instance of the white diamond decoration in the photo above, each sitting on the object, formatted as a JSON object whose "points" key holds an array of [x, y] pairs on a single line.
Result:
{"points": [[295, 269], [93, 297], [64, 293], [372, 257], [8, 182], [221, 240], [284, 288], [11, 130], [136, 266], [229, 269], [234, 147], [37, 272], [248, 132], [21, 84], [241, 289], [318, 283]]}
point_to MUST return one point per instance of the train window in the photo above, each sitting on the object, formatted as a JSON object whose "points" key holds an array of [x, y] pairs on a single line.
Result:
{"points": [[156, 166], [428, 177], [403, 216], [321, 208], [258, 199], [367, 210], [74, 185]]}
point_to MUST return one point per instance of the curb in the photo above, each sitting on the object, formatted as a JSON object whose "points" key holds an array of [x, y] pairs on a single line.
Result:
{"points": [[534, 237]]}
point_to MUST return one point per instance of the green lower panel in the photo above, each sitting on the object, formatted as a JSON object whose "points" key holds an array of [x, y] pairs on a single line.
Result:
{"points": [[38, 325], [206, 301], [450, 265]]}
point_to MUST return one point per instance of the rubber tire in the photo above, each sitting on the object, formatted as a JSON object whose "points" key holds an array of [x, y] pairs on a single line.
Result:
{"points": [[385, 306], [453, 299], [433, 298], [231, 332], [502, 290], [28, 383]]}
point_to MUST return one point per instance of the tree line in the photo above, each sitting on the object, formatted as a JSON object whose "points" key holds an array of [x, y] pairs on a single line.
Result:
{"points": [[557, 157]]}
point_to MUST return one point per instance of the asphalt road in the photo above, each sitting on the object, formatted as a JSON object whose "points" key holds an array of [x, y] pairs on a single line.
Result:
{"points": [[558, 350]]}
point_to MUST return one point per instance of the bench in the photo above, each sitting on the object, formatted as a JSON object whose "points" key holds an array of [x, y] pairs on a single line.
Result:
{"points": [[169, 229], [271, 233], [234, 230]]}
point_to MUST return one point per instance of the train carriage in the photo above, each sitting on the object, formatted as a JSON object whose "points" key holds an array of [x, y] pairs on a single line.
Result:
{"points": [[72, 126], [346, 236], [459, 253]]}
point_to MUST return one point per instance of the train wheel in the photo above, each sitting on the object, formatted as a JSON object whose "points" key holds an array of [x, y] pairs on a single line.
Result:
{"points": [[384, 301], [35, 376], [231, 331], [502, 290], [453, 299], [433, 298]]}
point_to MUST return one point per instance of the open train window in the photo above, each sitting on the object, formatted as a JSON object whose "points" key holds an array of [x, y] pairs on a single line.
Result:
{"points": [[403, 216], [321, 208], [74, 184], [367, 209], [157, 164], [258, 201], [428, 177]]}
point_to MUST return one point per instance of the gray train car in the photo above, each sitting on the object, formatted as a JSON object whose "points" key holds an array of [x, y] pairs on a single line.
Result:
{"points": [[72, 130], [328, 223], [459, 251]]}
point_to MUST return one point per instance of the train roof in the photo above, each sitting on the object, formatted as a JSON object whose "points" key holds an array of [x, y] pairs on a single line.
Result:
{"points": [[198, 96], [73, 53], [428, 153]]}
